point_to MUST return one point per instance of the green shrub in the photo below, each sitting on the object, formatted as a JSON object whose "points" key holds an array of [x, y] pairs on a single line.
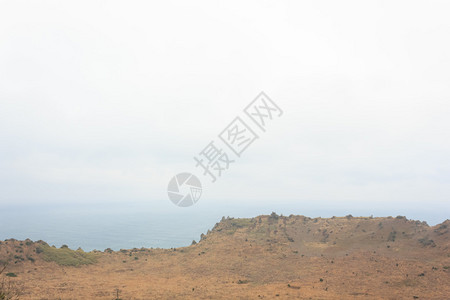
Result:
{"points": [[11, 274], [66, 257]]}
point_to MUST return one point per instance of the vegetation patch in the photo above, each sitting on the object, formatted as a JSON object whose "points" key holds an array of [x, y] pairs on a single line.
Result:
{"points": [[230, 226], [392, 236], [67, 257], [427, 242], [241, 223]]}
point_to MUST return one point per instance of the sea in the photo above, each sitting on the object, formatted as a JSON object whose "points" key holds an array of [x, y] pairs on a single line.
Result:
{"points": [[97, 226]]}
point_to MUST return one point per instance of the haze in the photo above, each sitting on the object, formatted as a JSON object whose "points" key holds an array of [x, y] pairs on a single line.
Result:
{"points": [[106, 101]]}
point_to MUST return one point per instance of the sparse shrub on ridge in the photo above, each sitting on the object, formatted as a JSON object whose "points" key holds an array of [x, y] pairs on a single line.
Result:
{"points": [[274, 215]]}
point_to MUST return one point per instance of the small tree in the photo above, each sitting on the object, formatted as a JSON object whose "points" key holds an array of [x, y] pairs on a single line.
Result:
{"points": [[117, 294]]}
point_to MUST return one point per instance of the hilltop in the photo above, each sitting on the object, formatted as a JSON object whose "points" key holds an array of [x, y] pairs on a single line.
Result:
{"points": [[257, 258]]}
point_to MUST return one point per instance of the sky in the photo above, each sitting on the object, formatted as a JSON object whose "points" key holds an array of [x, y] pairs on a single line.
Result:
{"points": [[105, 101]]}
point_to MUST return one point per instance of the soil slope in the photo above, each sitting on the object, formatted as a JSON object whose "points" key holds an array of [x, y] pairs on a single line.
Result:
{"points": [[266, 257]]}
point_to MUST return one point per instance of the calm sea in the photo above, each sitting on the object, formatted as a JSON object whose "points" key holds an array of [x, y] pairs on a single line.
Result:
{"points": [[125, 226]]}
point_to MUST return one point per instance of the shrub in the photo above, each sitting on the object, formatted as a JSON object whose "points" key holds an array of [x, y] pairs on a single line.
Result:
{"points": [[242, 281], [427, 242], [392, 236]]}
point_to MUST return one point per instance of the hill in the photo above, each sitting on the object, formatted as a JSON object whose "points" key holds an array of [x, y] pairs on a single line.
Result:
{"points": [[265, 257]]}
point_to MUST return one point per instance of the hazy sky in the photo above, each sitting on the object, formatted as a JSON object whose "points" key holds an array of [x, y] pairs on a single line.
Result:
{"points": [[104, 101]]}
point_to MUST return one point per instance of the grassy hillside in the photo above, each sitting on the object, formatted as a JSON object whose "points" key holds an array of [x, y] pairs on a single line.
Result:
{"points": [[65, 256]]}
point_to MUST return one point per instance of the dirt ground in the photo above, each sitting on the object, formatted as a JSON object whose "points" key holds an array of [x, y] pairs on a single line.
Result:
{"points": [[266, 257]]}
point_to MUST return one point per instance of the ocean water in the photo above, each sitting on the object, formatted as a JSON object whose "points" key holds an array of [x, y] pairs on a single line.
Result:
{"points": [[104, 226], [125, 226]]}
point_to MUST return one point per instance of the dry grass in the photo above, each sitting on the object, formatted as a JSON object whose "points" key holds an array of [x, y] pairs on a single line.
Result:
{"points": [[275, 258]]}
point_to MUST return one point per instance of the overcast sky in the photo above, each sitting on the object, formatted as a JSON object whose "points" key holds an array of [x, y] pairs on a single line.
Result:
{"points": [[104, 101]]}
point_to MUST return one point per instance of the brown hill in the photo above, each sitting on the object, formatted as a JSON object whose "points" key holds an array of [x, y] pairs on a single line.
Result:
{"points": [[260, 258]]}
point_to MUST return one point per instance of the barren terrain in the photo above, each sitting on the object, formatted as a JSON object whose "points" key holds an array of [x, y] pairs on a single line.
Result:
{"points": [[266, 257]]}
